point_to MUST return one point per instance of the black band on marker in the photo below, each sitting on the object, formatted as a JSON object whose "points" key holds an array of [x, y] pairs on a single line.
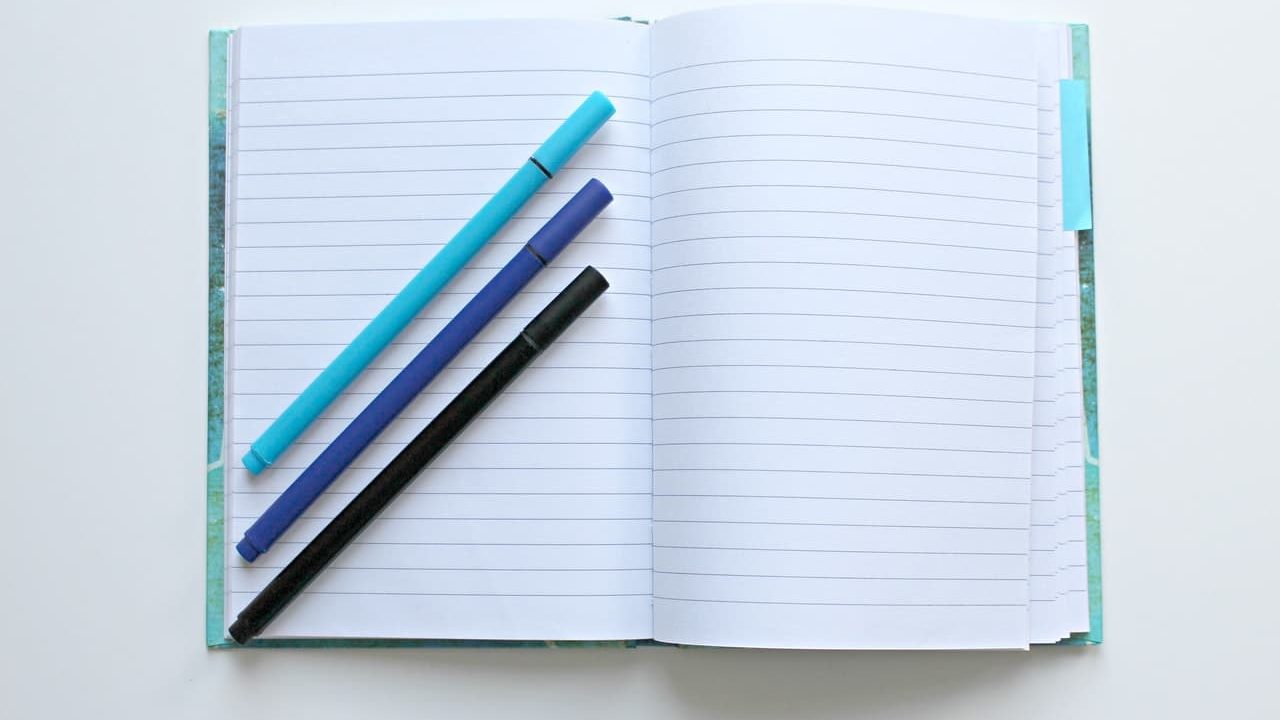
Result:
{"points": [[536, 254], [534, 160], [525, 337]]}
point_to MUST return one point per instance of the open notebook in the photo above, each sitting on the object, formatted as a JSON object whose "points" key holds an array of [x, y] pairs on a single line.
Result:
{"points": [[833, 399]]}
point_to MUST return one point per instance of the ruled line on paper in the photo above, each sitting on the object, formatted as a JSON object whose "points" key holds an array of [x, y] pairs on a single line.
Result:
{"points": [[839, 367], [842, 187], [837, 604], [393, 171], [670, 418], [814, 263], [904, 116], [904, 166], [331, 493], [829, 497], [842, 61], [423, 122], [859, 394], [775, 288], [482, 544], [530, 143], [738, 86], [354, 466], [739, 211], [839, 445], [837, 551], [427, 244], [833, 524], [657, 244], [818, 136], [843, 342], [502, 96], [943, 321], [451, 367], [470, 71], [842, 577], [508, 392], [445, 594], [565, 193], [491, 343], [834, 472], [466, 519], [392, 294], [321, 221], [463, 443], [415, 568]]}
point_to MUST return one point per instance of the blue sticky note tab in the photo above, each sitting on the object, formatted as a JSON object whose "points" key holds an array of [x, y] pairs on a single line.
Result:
{"points": [[1077, 190]]}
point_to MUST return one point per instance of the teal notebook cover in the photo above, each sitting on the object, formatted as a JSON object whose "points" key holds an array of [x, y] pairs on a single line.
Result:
{"points": [[216, 620]]}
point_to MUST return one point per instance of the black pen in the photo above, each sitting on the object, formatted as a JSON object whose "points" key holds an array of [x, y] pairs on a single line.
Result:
{"points": [[519, 353]]}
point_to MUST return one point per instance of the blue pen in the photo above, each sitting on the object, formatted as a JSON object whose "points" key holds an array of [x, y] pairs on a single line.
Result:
{"points": [[581, 209], [545, 162]]}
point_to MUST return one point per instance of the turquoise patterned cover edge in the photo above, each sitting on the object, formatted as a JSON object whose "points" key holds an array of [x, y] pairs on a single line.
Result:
{"points": [[1089, 351], [215, 558]]}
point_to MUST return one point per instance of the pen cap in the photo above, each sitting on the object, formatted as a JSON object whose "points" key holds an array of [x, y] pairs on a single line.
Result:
{"points": [[572, 301], [571, 219], [574, 132]]}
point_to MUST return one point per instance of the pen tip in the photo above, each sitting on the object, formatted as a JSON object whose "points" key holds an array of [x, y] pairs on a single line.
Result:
{"points": [[239, 632]]}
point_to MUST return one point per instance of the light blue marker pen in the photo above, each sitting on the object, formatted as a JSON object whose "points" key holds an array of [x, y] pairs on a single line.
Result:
{"points": [[545, 162]]}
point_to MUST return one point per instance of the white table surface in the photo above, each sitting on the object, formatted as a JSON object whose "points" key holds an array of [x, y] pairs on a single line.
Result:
{"points": [[102, 402]]}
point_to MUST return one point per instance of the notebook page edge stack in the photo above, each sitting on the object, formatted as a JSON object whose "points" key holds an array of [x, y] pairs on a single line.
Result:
{"points": [[1072, 414], [1045, 610], [1061, 606]]}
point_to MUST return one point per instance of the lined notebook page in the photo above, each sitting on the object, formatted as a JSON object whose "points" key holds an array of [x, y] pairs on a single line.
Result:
{"points": [[350, 168], [844, 300]]}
